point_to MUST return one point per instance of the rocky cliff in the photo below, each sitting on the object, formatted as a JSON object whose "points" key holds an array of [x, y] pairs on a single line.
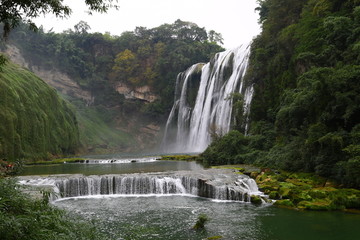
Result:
{"points": [[131, 130]]}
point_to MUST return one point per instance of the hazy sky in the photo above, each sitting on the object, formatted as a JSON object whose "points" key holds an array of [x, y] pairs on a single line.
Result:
{"points": [[236, 20]]}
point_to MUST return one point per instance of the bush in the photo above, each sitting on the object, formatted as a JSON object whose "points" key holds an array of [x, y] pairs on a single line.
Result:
{"points": [[25, 218]]}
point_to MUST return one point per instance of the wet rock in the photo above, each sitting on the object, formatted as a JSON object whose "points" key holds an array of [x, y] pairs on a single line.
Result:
{"points": [[255, 199], [284, 203]]}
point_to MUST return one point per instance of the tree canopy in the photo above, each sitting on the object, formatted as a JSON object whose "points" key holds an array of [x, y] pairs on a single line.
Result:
{"points": [[305, 111], [13, 12]]}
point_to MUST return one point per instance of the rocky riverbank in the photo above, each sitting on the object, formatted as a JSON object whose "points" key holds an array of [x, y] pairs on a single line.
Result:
{"points": [[301, 191]]}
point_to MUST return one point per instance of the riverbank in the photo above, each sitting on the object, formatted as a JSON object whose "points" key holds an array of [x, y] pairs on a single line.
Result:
{"points": [[56, 161], [301, 191]]}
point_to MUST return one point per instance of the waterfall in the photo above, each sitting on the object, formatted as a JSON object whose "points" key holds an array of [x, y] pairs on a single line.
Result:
{"points": [[214, 184], [203, 101]]}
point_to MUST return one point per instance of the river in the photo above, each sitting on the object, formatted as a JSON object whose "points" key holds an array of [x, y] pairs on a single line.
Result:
{"points": [[159, 216]]}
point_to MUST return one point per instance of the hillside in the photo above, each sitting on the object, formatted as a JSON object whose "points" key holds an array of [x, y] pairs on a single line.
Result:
{"points": [[306, 107], [122, 83], [35, 122]]}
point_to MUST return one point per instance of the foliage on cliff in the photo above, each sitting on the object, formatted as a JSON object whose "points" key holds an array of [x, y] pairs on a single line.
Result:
{"points": [[99, 63], [306, 107], [35, 122], [141, 57]]}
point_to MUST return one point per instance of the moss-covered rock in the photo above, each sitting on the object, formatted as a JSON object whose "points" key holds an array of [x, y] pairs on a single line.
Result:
{"points": [[255, 199], [306, 191], [274, 195], [284, 203], [317, 204]]}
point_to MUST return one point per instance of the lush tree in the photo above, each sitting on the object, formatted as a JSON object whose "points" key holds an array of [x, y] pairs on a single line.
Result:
{"points": [[13, 12], [305, 110]]}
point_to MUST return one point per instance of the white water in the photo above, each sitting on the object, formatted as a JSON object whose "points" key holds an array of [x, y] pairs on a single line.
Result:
{"points": [[189, 124], [121, 160], [212, 184]]}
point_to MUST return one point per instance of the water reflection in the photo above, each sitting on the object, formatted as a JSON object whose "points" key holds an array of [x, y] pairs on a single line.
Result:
{"points": [[172, 217], [112, 168]]}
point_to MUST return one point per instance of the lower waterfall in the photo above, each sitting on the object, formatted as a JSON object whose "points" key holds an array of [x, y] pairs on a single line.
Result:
{"points": [[214, 184], [203, 101]]}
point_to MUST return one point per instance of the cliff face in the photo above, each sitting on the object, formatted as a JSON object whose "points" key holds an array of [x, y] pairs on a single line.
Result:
{"points": [[126, 129], [138, 93], [60, 81], [35, 122]]}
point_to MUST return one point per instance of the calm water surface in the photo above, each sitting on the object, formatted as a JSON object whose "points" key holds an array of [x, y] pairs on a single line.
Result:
{"points": [[111, 168], [172, 217]]}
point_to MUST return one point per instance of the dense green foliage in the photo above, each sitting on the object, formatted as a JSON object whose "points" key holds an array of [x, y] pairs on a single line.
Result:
{"points": [[25, 218], [306, 107], [97, 62], [35, 122], [306, 191], [13, 12]]}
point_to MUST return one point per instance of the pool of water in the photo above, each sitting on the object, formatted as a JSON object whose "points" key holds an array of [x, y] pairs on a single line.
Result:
{"points": [[172, 217], [119, 167]]}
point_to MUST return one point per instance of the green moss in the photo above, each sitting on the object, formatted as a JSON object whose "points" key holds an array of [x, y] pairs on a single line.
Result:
{"points": [[274, 195], [254, 199], [35, 122], [306, 191], [214, 237], [317, 204], [284, 203]]}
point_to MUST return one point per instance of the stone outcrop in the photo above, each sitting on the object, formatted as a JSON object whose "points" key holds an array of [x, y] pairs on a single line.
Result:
{"points": [[53, 77], [143, 93]]}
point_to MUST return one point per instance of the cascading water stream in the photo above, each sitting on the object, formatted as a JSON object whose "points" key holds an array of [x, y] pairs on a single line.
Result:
{"points": [[209, 184], [191, 119]]}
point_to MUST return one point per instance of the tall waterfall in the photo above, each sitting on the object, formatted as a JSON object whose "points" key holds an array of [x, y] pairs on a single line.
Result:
{"points": [[203, 101]]}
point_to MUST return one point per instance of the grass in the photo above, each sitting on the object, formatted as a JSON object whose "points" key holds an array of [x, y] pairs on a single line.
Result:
{"points": [[57, 161]]}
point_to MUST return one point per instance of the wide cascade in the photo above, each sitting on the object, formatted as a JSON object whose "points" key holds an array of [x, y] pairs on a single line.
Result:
{"points": [[203, 102], [212, 184]]}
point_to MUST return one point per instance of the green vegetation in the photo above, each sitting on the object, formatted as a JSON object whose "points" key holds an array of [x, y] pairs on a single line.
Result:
{"points": [[188, 158], [306, 106], [200, 223], [25, 218], [57, 161], [12, 13], [35, 122], [98, 133], [306, 191], [98, 62]]}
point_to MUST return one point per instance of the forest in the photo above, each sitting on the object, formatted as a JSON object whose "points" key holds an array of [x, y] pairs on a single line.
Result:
{"points": [[97, 61], [305, 114], [304, 66]]}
